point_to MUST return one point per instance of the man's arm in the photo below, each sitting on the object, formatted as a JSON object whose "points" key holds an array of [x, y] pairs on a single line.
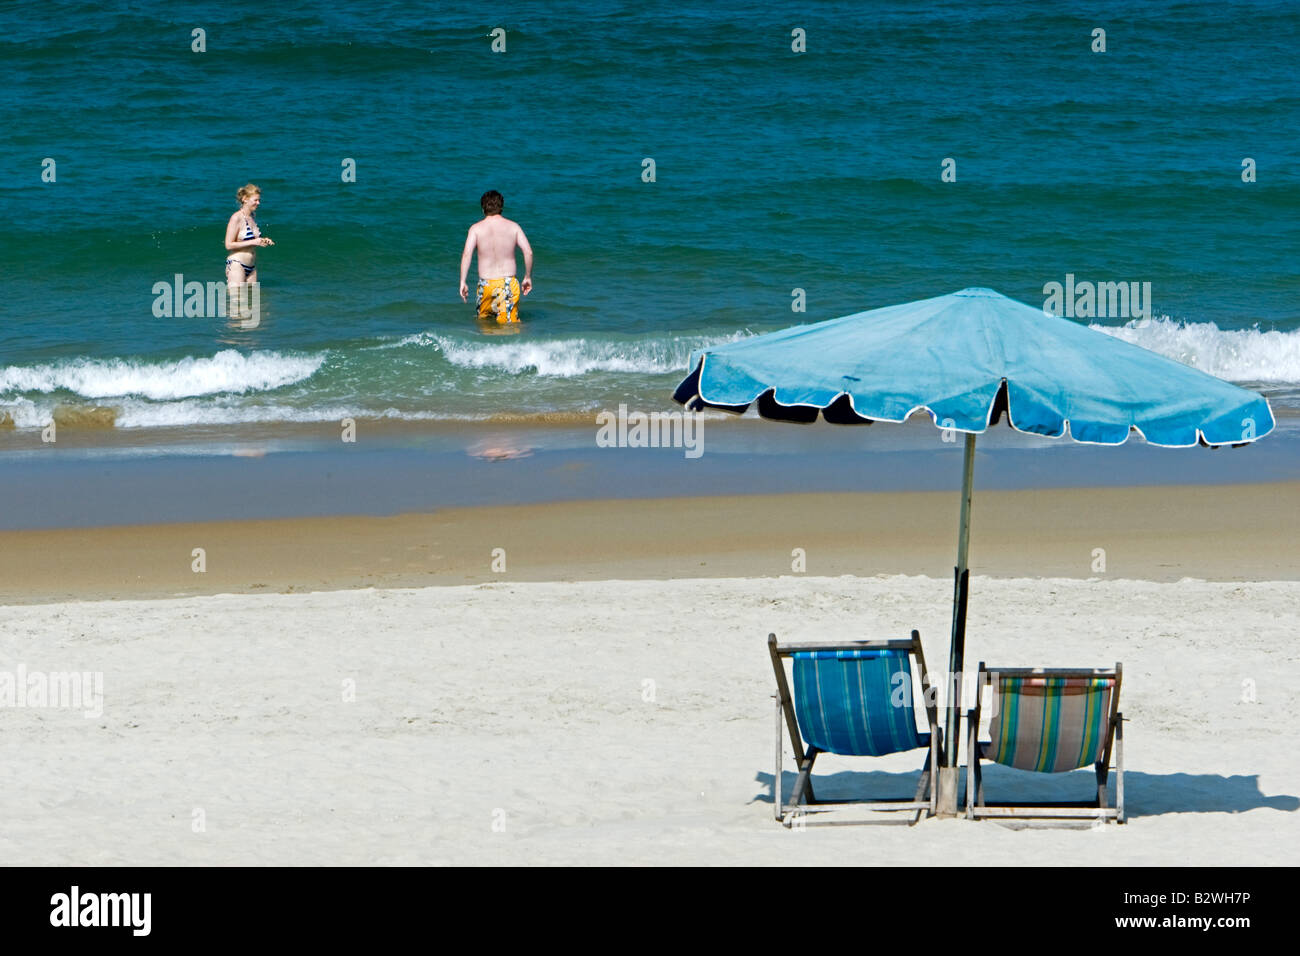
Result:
{"points": [[527, 285], [471, 241]]}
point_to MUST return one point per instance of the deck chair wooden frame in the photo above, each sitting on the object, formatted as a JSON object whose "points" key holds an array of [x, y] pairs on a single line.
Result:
{"points": [[803, 801], [1097, 808]]}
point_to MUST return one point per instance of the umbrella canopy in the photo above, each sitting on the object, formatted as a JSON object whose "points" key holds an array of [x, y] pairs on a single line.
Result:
{"points": [[968, 358]]}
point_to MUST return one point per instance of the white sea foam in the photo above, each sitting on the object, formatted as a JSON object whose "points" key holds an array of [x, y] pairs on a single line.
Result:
{"points": [[196, 412], [228, 388], [570, 357], [228, 371], [1246, 355], [138, 413], [135, 413]]}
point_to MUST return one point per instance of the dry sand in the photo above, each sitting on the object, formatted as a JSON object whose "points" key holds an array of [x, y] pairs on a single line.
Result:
{"points": [[618, 722]]}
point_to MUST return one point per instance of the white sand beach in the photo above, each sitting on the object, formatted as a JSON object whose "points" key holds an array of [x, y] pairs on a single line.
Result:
{"points": [[514, 722]]}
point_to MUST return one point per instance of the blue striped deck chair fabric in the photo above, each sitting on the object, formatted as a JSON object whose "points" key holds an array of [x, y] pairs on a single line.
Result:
{"points": [[1049, 721], [846, 701], [853, 699]]}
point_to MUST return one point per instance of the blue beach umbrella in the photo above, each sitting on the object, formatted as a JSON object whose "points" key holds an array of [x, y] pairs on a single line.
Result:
{"points": [[968, 359]]}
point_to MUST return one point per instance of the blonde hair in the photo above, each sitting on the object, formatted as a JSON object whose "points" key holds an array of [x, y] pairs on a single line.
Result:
{"points": [[246, 191]]}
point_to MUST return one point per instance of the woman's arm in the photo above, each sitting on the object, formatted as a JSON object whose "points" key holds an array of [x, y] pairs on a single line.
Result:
{"points": [[232, 230]]}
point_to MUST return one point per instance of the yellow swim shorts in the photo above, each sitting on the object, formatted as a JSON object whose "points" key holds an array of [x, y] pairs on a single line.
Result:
{"points": [[499, 299]]}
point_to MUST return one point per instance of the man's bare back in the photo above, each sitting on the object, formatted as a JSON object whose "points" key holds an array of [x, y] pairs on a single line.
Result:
{"points": [[495, 238]]}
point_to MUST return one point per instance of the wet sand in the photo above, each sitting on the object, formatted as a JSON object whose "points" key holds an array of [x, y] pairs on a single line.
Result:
{"points": [[1212, 532]]}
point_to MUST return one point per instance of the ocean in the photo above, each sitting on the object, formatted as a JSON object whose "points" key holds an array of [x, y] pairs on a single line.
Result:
{"points": [[782, 178]]}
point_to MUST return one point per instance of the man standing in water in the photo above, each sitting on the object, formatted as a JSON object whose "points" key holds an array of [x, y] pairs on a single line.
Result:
{"points": [[496, 238]]}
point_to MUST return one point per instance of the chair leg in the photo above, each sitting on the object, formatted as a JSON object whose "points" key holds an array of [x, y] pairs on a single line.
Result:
{"points": [[925, 783], [776, 777], [803, 782], [1119, 768], [1103, 774], [972, 766], [940, 758]]}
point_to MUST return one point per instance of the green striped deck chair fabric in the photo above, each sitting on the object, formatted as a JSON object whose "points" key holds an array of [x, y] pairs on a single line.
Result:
{"points": [[856, 702], [1049, 725]]}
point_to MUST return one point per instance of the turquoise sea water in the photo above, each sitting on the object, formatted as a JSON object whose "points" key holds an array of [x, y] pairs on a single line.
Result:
{"points": [[775, 170]]}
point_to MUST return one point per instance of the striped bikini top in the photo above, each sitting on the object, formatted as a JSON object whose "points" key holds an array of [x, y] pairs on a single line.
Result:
{"points": [[248, 230]]}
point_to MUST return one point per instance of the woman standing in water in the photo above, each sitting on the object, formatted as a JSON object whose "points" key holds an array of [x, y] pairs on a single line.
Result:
{"points": [[243, 237]]}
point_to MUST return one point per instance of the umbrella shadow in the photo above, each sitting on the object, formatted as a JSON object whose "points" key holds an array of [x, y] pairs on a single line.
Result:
{"points": [[1153, 794], [1145, 794]]}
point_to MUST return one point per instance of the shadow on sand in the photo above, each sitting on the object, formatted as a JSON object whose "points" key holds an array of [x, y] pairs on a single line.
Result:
{"points": [[1145, 794]]}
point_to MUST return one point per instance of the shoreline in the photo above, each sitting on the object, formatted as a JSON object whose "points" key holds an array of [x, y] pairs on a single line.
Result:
{"points": [[1156, 533], [310, 473], [92, 427]]}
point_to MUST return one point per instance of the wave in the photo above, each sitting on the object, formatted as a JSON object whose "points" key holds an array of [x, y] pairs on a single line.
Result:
{"points": [[227, 372], [520, 381], [188, 414], [570, 357], [24, 413], [1245, 355], [132, 413]]}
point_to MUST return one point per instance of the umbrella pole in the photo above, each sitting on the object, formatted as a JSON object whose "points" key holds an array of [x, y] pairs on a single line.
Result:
{"points": [[957, 646], [947, 796]]}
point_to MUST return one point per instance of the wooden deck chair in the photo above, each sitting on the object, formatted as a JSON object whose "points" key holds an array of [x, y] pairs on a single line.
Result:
{"points": [[1048, 720], [852, 698]]}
